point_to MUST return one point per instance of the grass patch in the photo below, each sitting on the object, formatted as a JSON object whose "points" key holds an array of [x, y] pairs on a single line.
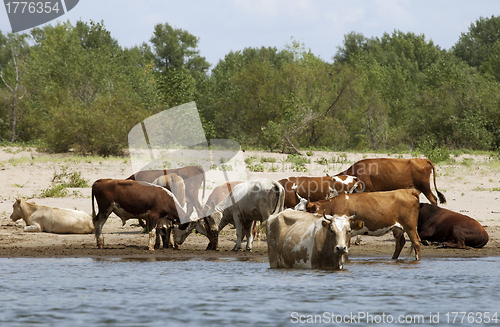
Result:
{"points": [[297, 159], [69, 179], [55, 191], [257, 168], [270, 160]]}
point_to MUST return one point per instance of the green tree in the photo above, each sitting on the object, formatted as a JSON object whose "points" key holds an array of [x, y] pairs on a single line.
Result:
{"points": [[13, 55], [476, 46], [175, 48], [86, 91]]}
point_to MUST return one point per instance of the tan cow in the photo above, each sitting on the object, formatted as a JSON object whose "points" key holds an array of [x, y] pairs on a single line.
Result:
{"points": [[381, 212], [53, 220], [175, 184], [297, 239], [387, 174]]}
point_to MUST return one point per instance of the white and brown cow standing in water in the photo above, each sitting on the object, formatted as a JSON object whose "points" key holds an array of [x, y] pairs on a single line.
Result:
{"points": [[131, 199], [297, 239], [317, 188], [49, 219], [253, 200]]}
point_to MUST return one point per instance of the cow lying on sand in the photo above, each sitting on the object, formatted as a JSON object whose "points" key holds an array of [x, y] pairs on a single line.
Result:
{"points": [[449, 228], [387, 174], [53, 220], [381, 212], [297, 239], [131, 199], [253, 200]]}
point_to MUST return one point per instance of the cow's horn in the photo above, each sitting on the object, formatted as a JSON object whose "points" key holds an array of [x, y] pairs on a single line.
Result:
{"points": [[355, 214], [324, 215]]}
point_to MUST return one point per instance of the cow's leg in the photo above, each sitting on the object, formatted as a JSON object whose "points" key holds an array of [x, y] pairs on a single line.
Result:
{"points": [[425, 188], [456, 239], [415, 242], [239, 230], [35, 227], [399, 235], [249, 234], [99, 221], [152, 223]]}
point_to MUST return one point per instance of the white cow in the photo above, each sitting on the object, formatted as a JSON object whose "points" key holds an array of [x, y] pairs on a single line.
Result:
{"points": [[253, 200], [297, 239], [53, 220]]}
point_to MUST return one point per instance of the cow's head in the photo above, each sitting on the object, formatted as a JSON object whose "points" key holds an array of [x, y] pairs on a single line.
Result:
{"points": [[16, 210], [302, 205], [163, 226], [312, 207], [339, 229]]}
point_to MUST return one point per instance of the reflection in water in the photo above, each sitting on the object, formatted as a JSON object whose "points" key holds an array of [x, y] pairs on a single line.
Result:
{"points": [[238, 291]]}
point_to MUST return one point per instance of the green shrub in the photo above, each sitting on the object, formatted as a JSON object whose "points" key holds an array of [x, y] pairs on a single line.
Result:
{"points": [[297, 159], [55, 191]]}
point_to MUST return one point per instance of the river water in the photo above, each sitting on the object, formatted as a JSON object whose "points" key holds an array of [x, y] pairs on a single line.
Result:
{"points": [[231, 292]]}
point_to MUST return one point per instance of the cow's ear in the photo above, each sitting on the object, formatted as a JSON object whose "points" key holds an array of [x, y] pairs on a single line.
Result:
{"points": [[325, 223], [357, 224]]}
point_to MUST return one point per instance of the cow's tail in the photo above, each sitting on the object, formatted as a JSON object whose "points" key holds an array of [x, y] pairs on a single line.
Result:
{"points": [[280, 198], [93, 205], [441, 197]]}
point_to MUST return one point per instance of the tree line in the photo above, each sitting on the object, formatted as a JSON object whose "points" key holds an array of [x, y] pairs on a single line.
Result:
{"points": [[74, 87]]}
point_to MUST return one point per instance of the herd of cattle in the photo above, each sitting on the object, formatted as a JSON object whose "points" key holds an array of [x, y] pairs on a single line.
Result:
{"points": [[309, 220]]}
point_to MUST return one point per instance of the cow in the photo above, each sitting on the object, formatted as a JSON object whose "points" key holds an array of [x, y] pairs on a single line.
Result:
{"points": [[297, 239], [317, 188], [451, 229], [40, 218], [193, 177], [381, 212], [217, 195], [175, 184], [253, 200], [387, 174], [131, 199]]}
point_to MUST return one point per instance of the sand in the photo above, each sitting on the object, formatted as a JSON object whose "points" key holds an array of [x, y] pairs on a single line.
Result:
{"points": [[468, 186]]}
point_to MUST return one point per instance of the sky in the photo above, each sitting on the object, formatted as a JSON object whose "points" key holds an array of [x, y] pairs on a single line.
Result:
{"points": [[231, 25]]}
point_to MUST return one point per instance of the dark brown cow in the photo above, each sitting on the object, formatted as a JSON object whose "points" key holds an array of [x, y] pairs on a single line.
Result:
{"points": [[131, 199], [392, 174], [193, 177], [449, 228], [316, 188], [380, 212]]}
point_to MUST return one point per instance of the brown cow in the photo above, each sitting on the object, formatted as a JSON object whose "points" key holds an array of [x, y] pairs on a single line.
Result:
{"points": [[316, 188], [392, 174], [193, 177], [451, 229], [380, 212], [131, 199]]}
